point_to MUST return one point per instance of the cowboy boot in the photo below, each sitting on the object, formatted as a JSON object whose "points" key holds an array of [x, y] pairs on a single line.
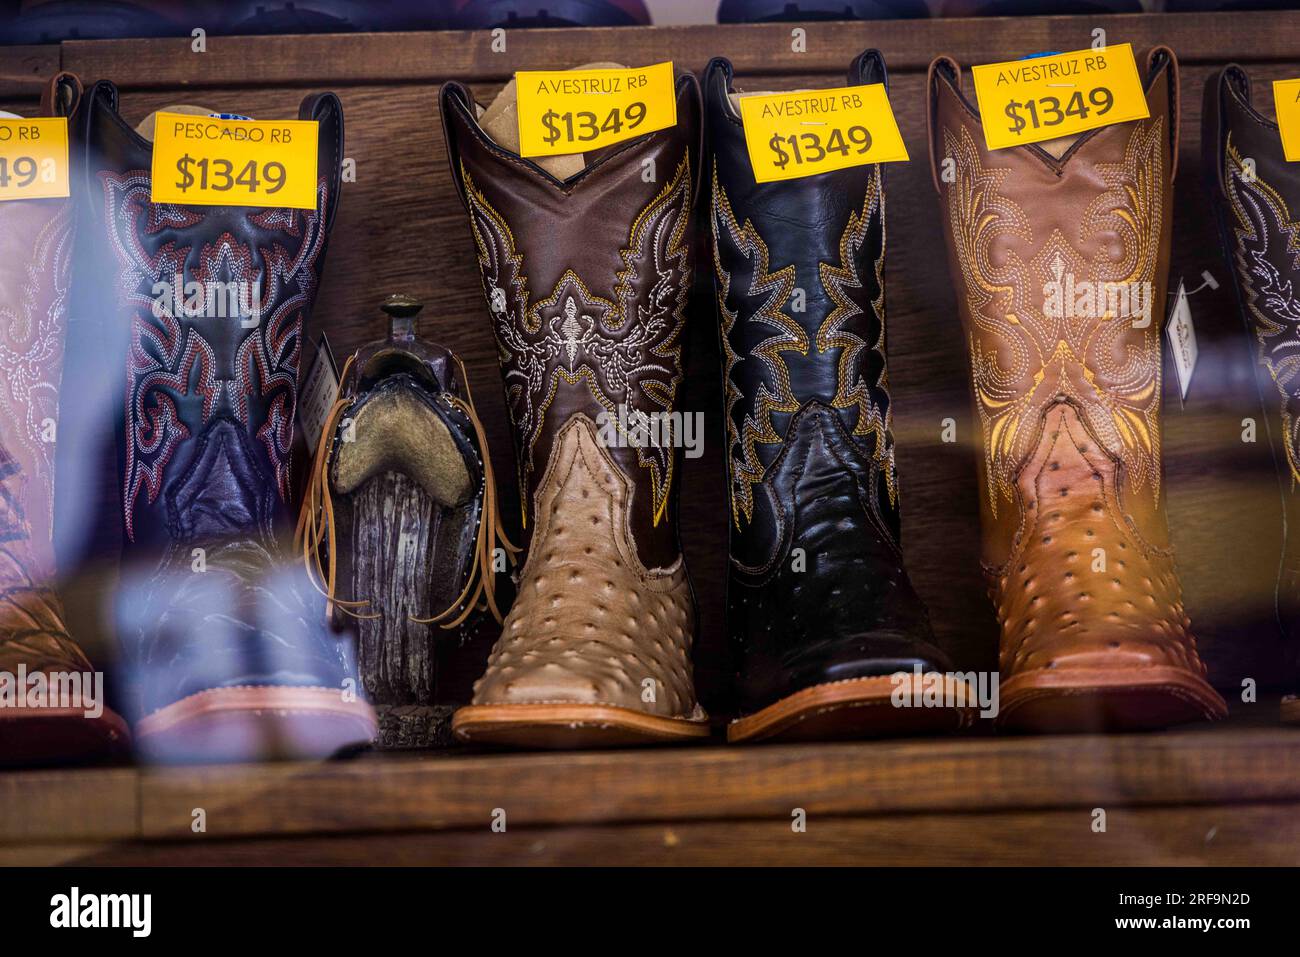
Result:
{"points": [[402, 502], [227, 656], [1060, 256], [1257, 202], [586, 280], [819, 604], [35, 260]]}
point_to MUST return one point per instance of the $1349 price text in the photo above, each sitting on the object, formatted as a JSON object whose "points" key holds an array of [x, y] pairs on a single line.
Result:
{"points": [[814, 147], [1047, 111], [585, 126]]}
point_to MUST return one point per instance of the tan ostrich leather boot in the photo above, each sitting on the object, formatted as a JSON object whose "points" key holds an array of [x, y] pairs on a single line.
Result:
{"points": [[586, 266], [1060, 256]]}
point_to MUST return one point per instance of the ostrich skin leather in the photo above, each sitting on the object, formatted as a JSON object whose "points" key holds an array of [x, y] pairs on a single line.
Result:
{"points": [[1257, 201], [586, 280], [203, 416], [591, 623], [1067, 397], [811, 452], [35, 273]]}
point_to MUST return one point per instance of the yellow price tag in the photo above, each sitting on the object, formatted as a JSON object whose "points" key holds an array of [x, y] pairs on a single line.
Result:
{"points": [[1286, 98], [574, 111], [1043, 98], [204, 161], [34, 158], [790, 135]]}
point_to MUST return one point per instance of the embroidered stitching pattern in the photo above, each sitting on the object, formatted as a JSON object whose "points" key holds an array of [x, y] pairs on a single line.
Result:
{"points": [[773, 291], [1268, 276], [1012, 341], [625, 351], [31, 349], [167, 352], [845, 288]]}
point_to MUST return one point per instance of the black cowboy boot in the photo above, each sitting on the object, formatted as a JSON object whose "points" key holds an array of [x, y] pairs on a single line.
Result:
{"points": [[1257, 201], [226, 649], [818, 603], [402, 502]]}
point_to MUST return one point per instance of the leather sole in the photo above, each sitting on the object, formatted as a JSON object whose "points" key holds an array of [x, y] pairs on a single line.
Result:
{"points": [[1290, 709], [1090, 700], [39, 736], [853, 709], [255, 723], [561, 726]]}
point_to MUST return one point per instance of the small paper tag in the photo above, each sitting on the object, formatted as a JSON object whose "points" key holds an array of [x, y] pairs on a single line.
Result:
{"points": [[205, 161], [1182, 340], [1043, 98], [34, 158], [575, 111], [319, 391], [1286, 99], [789, 135]]}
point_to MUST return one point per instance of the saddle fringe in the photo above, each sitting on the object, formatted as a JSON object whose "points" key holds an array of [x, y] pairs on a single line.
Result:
{"points": [[317, 525]]}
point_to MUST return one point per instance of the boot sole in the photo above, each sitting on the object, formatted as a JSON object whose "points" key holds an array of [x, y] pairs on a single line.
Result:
{"points": [[565, 726], [1090, 700], [852, 709], [1290, 709], [39, 736], [255, 724]]}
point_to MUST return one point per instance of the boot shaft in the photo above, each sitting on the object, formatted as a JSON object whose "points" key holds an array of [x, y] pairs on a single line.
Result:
{"points": [[1060, 257], [202, 313], [799, 266]]}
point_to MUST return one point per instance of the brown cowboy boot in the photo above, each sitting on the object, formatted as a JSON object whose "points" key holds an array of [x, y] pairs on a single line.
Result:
{"points": [[1060, 255], [35, 648], [586, 269]]}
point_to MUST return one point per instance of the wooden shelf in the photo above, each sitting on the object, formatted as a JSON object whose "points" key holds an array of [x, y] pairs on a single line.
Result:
{"points": [[1227, 795]]}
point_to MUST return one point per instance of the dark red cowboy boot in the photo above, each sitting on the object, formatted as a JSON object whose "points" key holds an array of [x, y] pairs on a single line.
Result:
{"points": [[35, 270]]}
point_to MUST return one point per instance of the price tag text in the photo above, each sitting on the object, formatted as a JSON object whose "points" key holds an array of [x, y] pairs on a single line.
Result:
{"points": [[204, 161], [789, 135]]}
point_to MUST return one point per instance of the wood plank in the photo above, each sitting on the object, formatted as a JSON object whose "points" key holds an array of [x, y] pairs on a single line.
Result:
{"points": [[1266, 834], [439, 792], [24, 71], [68, 805], [400, 58]]}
